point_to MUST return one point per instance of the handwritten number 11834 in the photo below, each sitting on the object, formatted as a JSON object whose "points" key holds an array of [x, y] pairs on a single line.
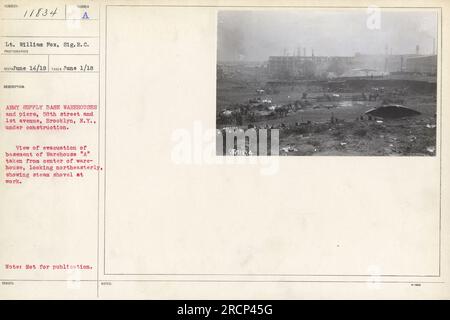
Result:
{"points": [[40, 12]]}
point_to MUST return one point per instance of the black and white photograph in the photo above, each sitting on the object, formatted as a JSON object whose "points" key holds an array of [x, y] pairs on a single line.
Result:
{"points": [[332, 82]]}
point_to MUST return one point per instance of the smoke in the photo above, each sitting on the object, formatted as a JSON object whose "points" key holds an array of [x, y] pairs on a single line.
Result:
{"points": [[255, 35]]}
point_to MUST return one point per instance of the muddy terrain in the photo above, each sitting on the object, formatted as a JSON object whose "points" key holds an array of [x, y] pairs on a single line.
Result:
{"points": [[329, 117]]}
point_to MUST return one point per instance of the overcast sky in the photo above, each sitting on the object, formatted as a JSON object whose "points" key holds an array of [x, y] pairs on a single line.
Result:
{"points": [[255, 35]]}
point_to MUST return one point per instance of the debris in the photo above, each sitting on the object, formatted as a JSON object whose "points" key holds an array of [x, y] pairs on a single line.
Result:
{"points": [[227, 113], [431, 126], [289, 148], [431, 149]]}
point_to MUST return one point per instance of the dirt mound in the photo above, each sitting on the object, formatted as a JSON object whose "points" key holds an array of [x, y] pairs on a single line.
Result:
{"points": [[392, 111]]}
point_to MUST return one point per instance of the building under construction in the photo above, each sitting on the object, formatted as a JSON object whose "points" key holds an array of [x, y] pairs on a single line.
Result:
{"points": [[422, 64], [302, 66]]}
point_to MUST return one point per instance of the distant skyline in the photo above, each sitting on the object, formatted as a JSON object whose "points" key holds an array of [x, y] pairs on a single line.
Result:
{"points": [[256, 35]]}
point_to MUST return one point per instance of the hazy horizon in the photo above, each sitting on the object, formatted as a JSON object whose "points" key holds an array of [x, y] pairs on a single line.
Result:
{"points": [[256, 35]]}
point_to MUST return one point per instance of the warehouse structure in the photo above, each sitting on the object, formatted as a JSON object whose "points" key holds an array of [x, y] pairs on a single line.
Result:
{"points": [[302, 66]]}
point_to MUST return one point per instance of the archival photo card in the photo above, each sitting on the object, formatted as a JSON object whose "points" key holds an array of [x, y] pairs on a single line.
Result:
{"points": [[327, 82]]}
